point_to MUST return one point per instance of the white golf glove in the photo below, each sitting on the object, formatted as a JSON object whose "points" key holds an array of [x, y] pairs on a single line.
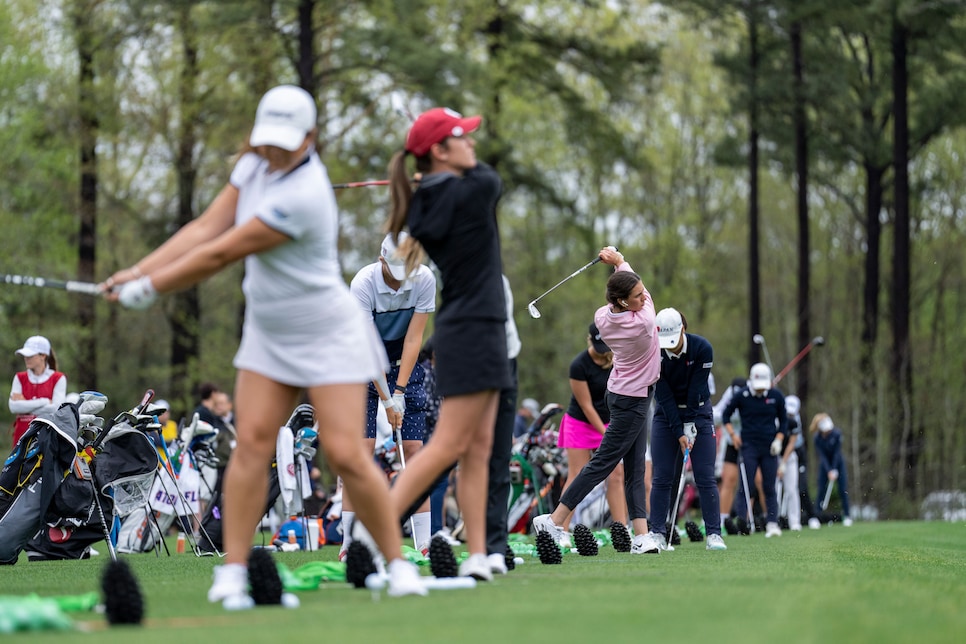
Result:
{"points": [[691, 432], [137, 295], [399, 402], [776, 447], [833, 475]]}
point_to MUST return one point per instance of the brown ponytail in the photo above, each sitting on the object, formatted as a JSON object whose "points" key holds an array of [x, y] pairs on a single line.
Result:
{"points": [[400, 196], [52, 359]]}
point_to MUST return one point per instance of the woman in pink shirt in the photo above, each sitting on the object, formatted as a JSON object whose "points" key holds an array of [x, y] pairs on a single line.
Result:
{"points": [[627, 325]]}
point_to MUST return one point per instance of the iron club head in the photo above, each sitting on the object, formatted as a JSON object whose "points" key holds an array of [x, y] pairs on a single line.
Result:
{"points": [[532, 308], [818, 340]]}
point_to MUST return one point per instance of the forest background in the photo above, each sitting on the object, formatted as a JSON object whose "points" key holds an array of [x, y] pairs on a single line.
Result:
{"points": [[787, 168]]}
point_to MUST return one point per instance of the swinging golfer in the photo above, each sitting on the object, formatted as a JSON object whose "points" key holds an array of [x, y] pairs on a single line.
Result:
{"points": [[684, 420], [627, 326], [763, 420], [452, 215], [302, 328]]}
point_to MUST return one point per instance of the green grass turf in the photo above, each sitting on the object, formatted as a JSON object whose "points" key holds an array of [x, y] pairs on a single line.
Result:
{"points": [[873, 582]]}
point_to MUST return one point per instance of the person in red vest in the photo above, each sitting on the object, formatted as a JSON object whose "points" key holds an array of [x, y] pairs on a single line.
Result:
{"points": [[38, 390]]}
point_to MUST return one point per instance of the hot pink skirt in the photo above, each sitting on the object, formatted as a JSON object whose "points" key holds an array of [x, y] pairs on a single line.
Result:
{"points": [[576, 434]]}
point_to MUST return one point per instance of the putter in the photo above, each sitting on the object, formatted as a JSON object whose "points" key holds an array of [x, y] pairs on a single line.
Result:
{"points": [[749, 512], [817, 341], [759, 339], [532, 306]]}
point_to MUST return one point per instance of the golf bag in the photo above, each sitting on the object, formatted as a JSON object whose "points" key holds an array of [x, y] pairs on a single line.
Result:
{"points": [[172, 496], [538, 470], [82, 510], [31, 476]]}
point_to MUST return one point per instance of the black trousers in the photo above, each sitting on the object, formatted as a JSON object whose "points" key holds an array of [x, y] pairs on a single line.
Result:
{"points": [[498, 495]]}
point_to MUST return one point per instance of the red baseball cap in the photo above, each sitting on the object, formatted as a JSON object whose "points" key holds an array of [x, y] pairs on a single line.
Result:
{"points": [[433, 126]]}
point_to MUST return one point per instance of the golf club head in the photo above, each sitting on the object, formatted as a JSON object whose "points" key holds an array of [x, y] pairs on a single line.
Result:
{"points": [[532, 308], [758, 338], [818, 340]]}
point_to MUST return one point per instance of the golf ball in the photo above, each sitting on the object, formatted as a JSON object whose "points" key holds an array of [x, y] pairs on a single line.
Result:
{"points": [[518, 560], [374, 581], [290, 600]]}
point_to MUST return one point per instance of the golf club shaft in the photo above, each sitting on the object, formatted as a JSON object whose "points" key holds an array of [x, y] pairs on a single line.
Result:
{"points": [[759, 339], [577, 272], [749, 512], [794, 361], [677, 499], [828, 496], [360, 184], [88, 288]]}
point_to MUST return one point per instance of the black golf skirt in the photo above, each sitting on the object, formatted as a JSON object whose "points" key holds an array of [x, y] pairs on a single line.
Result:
{"points": [[471, 356]]}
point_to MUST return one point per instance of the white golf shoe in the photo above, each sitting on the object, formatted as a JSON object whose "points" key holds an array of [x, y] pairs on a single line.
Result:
{"points": [[404, 579], [497, 563], [715, 542], [543, 523], [476, 566], [814, 523], [646, 544], [230, 587], [772, 530]]}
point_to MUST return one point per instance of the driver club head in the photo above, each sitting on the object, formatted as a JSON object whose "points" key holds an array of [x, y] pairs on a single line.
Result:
{"points": [[758, 338], [532, 308]]}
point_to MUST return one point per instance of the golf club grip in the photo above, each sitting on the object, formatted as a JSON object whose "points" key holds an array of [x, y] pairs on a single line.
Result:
{"points": [[148, 396]]}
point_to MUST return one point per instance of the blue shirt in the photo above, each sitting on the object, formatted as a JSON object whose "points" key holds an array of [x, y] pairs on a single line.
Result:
{"points": [[762, 417]]}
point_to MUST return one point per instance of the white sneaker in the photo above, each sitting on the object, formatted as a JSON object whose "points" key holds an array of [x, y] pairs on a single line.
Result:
{"points": [[645, 543], [661, 542], [567, 540], [814, 523], [476, 566], [715, 542], [543, 523], [847, 522], [230, 587], [404, 579], [772, 530], [497, 563], [448, 536]]}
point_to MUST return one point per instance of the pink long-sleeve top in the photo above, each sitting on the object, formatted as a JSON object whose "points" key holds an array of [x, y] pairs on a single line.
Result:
{"points": [[632, 336]]}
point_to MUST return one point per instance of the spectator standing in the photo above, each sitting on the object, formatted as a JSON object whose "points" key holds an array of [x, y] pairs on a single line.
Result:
{"points": [[38, 390]]}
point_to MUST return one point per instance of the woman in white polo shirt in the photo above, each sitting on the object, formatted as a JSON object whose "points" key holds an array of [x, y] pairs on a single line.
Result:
{"points": [[302, 328]]}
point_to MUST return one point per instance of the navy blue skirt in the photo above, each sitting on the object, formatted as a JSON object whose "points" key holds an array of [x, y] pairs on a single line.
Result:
{"points": [[471, 356]]}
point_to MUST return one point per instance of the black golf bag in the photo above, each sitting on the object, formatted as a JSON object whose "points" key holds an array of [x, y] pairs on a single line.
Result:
{"points": [[82, 510], [31, 476]]}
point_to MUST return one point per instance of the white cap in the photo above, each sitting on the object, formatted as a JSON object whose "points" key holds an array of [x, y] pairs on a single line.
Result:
{"points": [[760, 377], [826, 424], [669, 325], [396, 264], [285, 115], [35, 344], [162, 403], [793, 405], [531, 405]]}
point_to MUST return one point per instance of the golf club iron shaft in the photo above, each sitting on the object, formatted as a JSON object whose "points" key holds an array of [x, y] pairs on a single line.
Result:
{"points": [[677, 498], [360, 184], [759, 339], [749, 512], [815, 342], [88, 288], [532, 306]]}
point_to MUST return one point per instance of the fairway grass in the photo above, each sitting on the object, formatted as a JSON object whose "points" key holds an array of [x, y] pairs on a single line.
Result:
{"points": [[873, 582]]}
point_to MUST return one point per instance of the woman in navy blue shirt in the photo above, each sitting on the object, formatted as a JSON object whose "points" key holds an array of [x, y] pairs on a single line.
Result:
{"points": [[831, 463], [683, 420], [763, 427]]}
